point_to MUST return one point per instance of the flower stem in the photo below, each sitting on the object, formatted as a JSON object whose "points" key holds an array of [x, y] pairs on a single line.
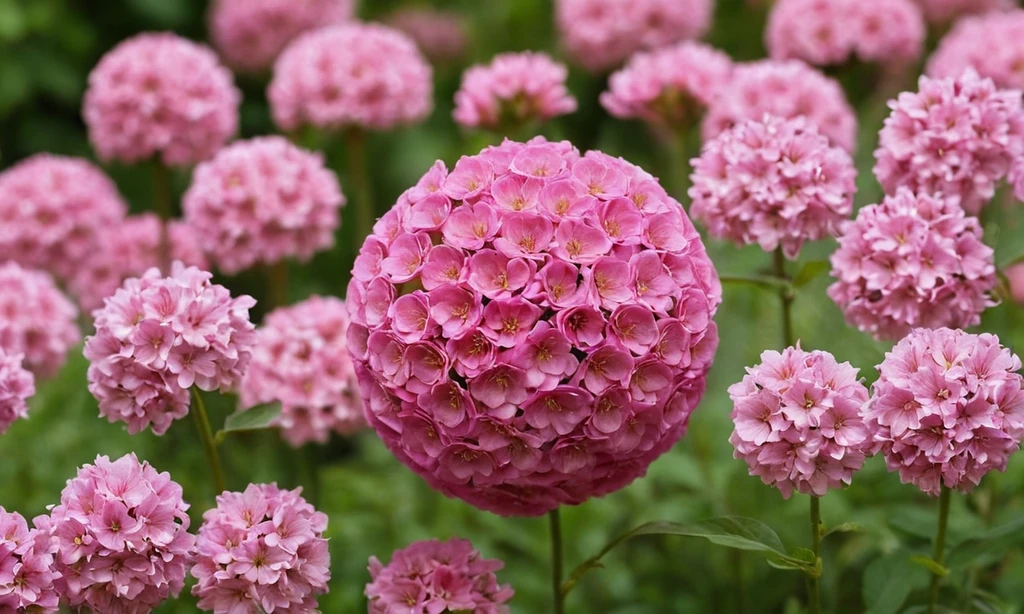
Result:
{"points": [[277, 283], [206, 436], [786, 295], [940, 548], [556, 560], [680, 165], [162, 205], [359, 177], [813, 588]]}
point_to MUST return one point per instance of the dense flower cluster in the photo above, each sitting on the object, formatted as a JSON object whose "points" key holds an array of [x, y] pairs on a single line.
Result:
{"points": [[954, 136], [534, 327], [17, 384], [263, 548], [912, 261], [160, 95], [775, 182], [435, 576], [26, 567], [157, 336], [986, 43], [440, 35], [945, 11], [364, 75], [948, 407], [36, 320]]}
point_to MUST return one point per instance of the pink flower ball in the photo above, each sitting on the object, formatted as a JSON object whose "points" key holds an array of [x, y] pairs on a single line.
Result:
{"points": [[157, 94], [262, 549], [363, 75], [250, 34], [987, 43], [26, 567], [17, 384], [601, 34], [774, 182], [1015, 276], [157, 336], [122, 537], [435, 576], [787, 89], [955, 137], [948, 407], [514, 89], [441, 35], [36, 320], [534, 327], [671, 86], [945, 11], [301, 360]]}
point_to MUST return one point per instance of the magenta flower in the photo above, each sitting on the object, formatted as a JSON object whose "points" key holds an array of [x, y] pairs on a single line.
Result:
{"points": [[985, 43], [26, 566], [441, 35], [17, 384], [942, 12], [36, 320]]}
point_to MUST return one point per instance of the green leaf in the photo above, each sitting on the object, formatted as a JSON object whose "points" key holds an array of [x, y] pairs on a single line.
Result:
{"points": [[888, 581], [931, 565], [991, 544], [846, 527], [254, 419], [809, 272], [800, 559]]}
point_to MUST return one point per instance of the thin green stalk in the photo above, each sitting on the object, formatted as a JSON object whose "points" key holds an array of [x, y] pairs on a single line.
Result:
{"points": [[786, 295], [556, 560], [162, 205], [359, 179], [277, 283], [679, 172], [940, 548], [813, 587], [206, 436]]}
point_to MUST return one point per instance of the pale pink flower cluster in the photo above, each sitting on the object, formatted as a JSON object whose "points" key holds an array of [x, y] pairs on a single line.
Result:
{"points": [[17, 384], [954, 136], [363, 75], [774, 182], [945, 11], [261, 550], [987, 43], [512, 90], [440, 35], [36, 320], [947, 408], [601, 34], [157, 94], [157, 336], [433, 576], [122, 537], [533, 327], [912, 261], [26, 567], [787, 89], [301, 360], [671, 86]]}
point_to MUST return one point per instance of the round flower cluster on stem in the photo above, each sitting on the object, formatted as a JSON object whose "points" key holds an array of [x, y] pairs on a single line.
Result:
{"points": [[435, 576], [986, 43], [945, 11], [363, 75], [440, 35], [954, 136], [261, 550], [17, 384], [157, 336], [122, 537], [912, 261], [513, 90], [157, 94], [36, 320], [534, 327], [26, 567], [774, 182], [301, 360], [948, 407]]}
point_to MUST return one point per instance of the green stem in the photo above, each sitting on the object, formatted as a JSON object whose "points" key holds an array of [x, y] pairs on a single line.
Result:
{"points": [[359, 178], [679, 172], [786, 295], [277, 283], [556, 560], [206, 436], [940, 548], [813, 588], [162, 206]]}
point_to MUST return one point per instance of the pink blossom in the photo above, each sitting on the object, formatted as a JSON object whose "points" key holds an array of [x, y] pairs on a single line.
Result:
{"points": [[942, 12], [984, 43], [27, 576], [441, 35], [514, 89], [17, 384], [36, 320], [1015, 276]]}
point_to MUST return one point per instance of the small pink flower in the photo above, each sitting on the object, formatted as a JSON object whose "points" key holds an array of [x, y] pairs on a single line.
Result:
{"points": [[17, 384], [36, 320], [496, 276], [514, 89], [508, 322]]}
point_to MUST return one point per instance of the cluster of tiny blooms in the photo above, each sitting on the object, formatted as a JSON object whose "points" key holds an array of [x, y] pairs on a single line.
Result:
{"points": [[774, 182], [17, 384], [157, 336], [261, 201], [363, 75], [945, 11], [954, 136], [986, 43], [671, 86], [787, 89], [301, 360], [602, 34], [534, 327], [121, 530], [36, 320], [440, 35], [160, 95], [947, 408], [26, 567], [434, 576], [912, 261], [261, 550]]}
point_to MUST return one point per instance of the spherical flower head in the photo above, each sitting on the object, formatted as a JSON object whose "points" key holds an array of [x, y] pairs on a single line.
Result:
{"points": [[436, 576], [26, 566], [947, 408], [301, 360], [945, 11], [261, 550], [533, 327], [158, 336], [351, 75], [787, 89], [986, 43], [157, 94], [36, 320], [17, 384], [774, 182], [121, 531], [441, 35]]}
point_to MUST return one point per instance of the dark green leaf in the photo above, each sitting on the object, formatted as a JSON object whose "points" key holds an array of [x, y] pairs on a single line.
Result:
{"points": [[888, 581], [254, 419], [809, 272], [991, 544]]}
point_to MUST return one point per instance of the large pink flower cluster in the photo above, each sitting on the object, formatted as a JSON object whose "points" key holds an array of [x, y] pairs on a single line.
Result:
{"points": [[954, 136], [36, 320], [988, 44], [441, 35], [670, 86], [363, 75], [775, 182], [26, 567], [948, 407], [945, 11], [534, 327], [601, 34], [157, 336], [261, 550], [122, 537], [17, 384], [912, 261], [787, 89], [157, 94], [301, 360], [514, 89], [435, 576]]}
